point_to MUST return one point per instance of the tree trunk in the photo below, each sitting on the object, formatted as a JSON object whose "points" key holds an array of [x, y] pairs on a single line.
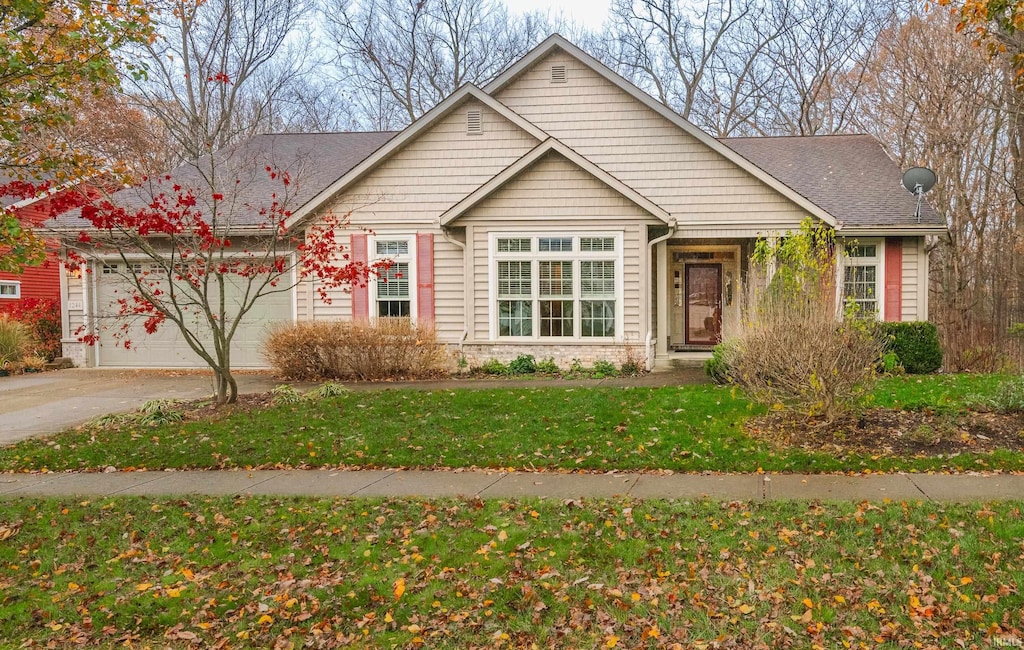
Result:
{"points": [[225, 387]]}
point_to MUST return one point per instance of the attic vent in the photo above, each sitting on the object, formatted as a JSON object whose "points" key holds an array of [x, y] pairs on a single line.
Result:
{"points": [[474, 123], [558, 74]]}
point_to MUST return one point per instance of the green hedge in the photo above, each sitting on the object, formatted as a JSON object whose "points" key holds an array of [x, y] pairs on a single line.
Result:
{"points": [[915, 344]]}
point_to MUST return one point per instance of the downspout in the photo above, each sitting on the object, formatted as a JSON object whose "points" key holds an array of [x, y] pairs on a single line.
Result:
{"points": [[672, 225], [465, 275]]}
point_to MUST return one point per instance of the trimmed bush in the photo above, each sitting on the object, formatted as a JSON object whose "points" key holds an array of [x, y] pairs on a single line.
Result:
{"points": [[915, 344], [388, 348]]}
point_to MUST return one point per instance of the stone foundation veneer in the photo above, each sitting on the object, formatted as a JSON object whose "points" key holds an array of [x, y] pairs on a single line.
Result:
{"points": [[477, 354], [76, 351]]}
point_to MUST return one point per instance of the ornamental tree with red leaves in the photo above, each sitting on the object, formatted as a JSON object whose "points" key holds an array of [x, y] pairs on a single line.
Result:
{"points": [[199, 257]]}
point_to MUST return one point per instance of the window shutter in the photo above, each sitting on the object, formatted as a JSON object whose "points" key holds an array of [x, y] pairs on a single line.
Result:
{"points": [[360, 292], [893, 279], [425, 277]]}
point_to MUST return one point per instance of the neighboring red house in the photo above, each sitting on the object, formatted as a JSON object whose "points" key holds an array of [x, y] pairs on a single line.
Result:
{"points": [[35, 281]]}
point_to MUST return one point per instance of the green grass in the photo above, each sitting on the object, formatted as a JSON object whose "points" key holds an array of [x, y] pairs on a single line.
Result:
{"points": [[935, 392], [685, 428], [255, 571]]}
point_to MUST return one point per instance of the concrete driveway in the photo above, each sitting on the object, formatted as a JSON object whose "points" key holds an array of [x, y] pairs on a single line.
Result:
{"points": [[49, 402]]}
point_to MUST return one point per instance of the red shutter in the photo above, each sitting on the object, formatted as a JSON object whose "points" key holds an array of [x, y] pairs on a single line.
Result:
{"points": [[893, 279], [360, 292], [425, 277]]}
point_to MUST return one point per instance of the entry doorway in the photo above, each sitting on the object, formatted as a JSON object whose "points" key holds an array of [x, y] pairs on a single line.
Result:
{"points": [[703, 306], [703, 291]]}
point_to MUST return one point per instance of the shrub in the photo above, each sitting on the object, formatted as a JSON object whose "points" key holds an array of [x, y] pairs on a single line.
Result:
{"points": [[326, 390], [524, 364], [284, 395], [817, 366], [633, 362], [548, 367], [41, 316], [915, 344], [14, 341], [719, 368], [494, 367], [795, 351], [388, 348], [604, 368]]}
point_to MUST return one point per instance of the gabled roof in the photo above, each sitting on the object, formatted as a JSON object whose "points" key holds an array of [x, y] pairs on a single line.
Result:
{"points": [[850, 176], [424, 122], [547, 146], [313, 160], [558, 42]]}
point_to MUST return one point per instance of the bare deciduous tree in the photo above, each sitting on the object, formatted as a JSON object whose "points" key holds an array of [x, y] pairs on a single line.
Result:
{"points": [[745, 67], [223, 70], [400, 58], [935, 100]]}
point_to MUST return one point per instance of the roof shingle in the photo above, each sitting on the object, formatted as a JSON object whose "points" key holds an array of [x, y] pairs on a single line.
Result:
{"points": [[312, 160], [849, 176]]}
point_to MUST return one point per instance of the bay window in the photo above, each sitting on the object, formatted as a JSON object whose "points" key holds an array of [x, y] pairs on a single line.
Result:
{"points": [[556, 287]]}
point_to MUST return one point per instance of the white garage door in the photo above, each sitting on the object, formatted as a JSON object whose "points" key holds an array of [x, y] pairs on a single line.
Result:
{"points": [[167, 347]]}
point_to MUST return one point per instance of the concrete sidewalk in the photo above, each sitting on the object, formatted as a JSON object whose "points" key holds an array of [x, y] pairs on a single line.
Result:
{"points": [[498, 484]]}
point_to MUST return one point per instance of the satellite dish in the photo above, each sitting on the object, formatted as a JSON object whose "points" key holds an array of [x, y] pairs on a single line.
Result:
{"points": [[917, 181]]}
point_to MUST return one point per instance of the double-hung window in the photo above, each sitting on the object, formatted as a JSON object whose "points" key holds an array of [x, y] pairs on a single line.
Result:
{"points": [[861, 276], [557, 286], [10, 289], [392, 289]]}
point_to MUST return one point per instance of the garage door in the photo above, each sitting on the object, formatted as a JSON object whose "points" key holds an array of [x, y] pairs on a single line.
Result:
{"points": [[167, 347]]}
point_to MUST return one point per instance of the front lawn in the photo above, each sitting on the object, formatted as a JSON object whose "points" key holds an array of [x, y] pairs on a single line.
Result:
{"points": [[261, 572], [684, 428]]}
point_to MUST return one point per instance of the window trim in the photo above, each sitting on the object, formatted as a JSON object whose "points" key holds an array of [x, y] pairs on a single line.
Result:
{"points": [[535, 256], [878, 261], [410, 258], [17, 290]]}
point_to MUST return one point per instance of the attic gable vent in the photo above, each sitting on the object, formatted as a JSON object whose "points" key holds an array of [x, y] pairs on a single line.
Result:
{"points": [[558, 74], [474, 122]]}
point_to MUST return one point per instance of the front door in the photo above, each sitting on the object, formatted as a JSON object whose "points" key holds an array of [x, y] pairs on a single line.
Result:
{"points": [[703, 306]]}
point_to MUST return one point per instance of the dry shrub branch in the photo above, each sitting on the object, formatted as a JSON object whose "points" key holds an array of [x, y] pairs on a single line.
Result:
{"points": [[795, 350], [388, 348]]}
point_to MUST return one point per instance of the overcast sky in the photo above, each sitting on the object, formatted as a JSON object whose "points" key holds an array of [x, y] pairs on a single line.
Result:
{"points": [[591, 13]]}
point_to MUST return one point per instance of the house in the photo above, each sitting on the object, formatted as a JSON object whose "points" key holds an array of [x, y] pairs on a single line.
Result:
{"points": [[560, 211], [40, 282]]}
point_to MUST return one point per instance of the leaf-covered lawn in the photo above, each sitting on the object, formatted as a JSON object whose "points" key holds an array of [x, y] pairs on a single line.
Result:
{"points": [[293, 573], [684, 428]]}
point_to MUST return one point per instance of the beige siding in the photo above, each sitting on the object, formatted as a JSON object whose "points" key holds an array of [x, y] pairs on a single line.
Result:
{"points": [[449, 274], [556, 196], [409, 191], [449, 289], [913, 252], [435, 171], [555, 189], [643, 149]]}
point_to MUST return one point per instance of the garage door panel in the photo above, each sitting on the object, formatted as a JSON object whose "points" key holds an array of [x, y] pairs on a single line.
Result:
{"points": [[167, 347]]}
